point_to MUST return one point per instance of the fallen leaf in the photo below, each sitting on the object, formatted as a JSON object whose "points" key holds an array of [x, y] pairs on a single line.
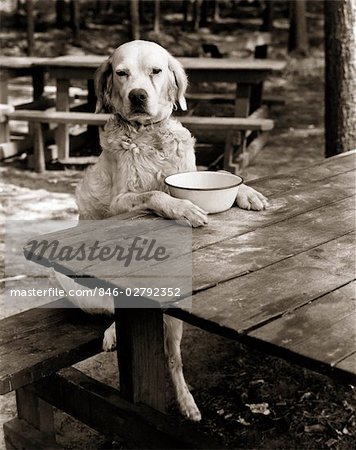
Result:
{"points": [[254, 382], [305, 396], [331, 442], [317, 428], [347, 406], [243, 422], [259, 408]]}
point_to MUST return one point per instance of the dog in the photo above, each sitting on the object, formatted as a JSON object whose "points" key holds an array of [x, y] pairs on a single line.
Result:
{"points": [[140, 85]]}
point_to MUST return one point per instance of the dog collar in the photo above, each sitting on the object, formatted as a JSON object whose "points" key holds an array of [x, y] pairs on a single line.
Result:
{"points": [[135, 124]]}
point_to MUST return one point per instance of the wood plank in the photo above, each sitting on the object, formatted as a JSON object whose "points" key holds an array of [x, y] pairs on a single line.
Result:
{"points": [[140, 354], [348, 364], [35, 411], [218, 97], [295, 327], [189, 63], [221, 227], [329, 168], [45, 340], [192, 122], [333, 344], [101, 407], [245, 303], [322, 332], [62, 131], [19, 434], [284, 204], [21, 62], [252, 251]]}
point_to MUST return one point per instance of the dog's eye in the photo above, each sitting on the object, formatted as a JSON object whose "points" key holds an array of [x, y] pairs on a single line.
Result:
{"points": [[156, 71], [121, 73]]}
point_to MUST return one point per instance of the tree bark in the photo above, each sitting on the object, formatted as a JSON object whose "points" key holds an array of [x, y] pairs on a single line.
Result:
{"points": [[298, 36], [30, 28], [135, 19], [340, 76], [60, 13], [156, 27], [75, 20], [267, 16]]}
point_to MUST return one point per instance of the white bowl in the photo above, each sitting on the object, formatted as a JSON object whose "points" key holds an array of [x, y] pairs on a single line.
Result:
{"points": [[213, 191]]}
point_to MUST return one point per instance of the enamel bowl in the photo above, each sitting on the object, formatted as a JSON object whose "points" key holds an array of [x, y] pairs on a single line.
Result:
{"points": [[212, 191]]}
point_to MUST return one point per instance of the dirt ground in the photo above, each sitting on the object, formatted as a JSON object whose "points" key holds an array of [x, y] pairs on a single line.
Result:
{"points": [[305, 410]]}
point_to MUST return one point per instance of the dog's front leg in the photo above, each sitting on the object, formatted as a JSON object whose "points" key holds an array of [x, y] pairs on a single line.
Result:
{"points": [[173, 332], [249, 198], [162, 204]]}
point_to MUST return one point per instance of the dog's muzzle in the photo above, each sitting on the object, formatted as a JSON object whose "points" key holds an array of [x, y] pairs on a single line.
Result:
{"points": [[138, 99]]}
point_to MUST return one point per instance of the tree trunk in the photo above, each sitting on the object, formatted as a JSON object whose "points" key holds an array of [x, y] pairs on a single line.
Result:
{"points": [[135, 19], [156, 27], [340, 76], [298, 36], [75, 20], [30, 28], [267, 16], [60, 13]]}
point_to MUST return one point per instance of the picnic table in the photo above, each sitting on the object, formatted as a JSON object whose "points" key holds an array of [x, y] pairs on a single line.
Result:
{"points": [[22, 66], [281, 280], [247, 74], [13, 67]]}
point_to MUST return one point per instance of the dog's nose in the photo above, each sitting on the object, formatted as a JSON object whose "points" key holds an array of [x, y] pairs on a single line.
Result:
{"points": [[138, 96]]}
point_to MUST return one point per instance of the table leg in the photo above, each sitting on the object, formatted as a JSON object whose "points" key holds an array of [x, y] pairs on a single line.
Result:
{"points": [[38, 83], [4, 80], [140, 347], [93, 131], [243, 100], [234, 144], [34, 426], [62, 132]]}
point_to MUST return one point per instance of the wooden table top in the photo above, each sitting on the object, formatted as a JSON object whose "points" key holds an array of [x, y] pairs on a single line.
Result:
{"points": [[189, 63], [20, 62], [230, 70], [282, 280]]}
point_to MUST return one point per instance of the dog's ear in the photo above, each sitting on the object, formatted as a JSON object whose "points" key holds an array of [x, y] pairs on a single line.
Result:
{"points": [[103, 87], [180, 79]]}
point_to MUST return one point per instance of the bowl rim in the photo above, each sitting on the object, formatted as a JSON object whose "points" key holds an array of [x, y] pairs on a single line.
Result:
{"points": [[204, 189]]}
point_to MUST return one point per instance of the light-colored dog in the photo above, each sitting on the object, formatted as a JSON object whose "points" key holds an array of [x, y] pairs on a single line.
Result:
{"points": [[140, 84]]}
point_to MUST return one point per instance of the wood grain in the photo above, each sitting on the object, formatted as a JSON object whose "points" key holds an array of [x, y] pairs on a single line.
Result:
{"points": [[248, 302], [43, 341], [102, 407]]}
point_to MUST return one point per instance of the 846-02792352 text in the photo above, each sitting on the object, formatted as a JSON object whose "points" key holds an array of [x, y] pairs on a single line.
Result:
{"points": [[100, 291]]}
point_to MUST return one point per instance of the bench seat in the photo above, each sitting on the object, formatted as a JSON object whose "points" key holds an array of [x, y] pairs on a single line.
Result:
{"points": [[191, 122], [199, 126], [37, 348], [40, 341]]}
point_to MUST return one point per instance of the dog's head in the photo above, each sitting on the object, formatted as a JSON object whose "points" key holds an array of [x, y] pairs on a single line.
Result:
{"points": [[141, 81]]}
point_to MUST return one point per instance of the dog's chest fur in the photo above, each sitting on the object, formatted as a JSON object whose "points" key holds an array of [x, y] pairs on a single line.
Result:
{"points": [[141, 158]]}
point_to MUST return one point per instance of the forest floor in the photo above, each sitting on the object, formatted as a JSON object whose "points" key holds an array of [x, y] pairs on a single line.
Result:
{"points": [[306, 410]]}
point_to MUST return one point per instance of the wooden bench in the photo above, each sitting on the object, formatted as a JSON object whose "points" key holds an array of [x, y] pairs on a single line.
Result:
{"points": [[219, 125], [34, 346], [256, 43]]}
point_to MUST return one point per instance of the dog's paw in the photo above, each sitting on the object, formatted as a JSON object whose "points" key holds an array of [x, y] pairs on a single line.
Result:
{"points": [[109, 341], [188, 408], [249, 198], [189, 213]]}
